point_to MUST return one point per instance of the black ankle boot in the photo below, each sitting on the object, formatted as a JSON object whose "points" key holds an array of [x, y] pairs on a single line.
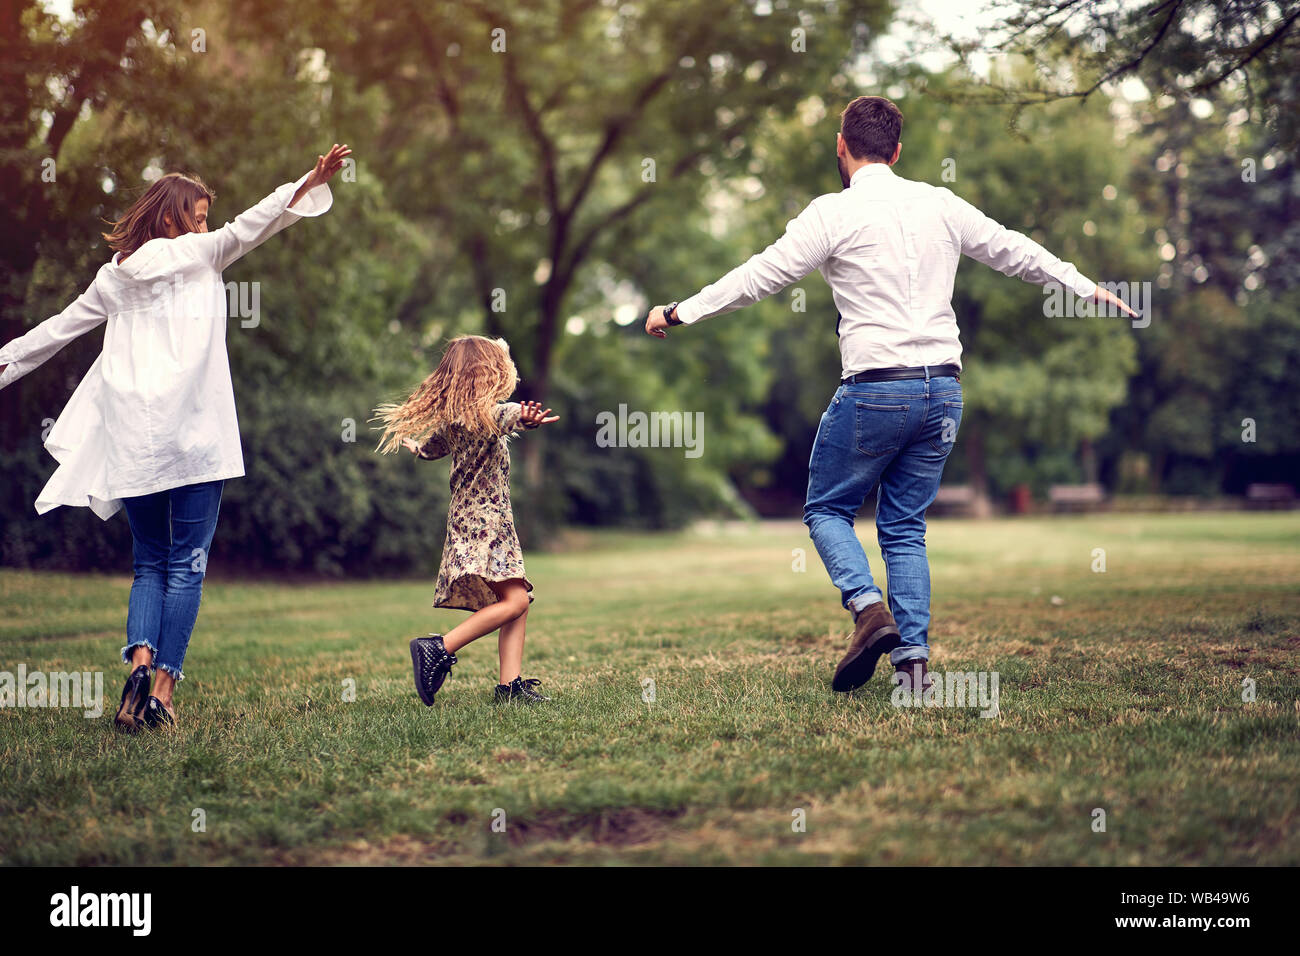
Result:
{"points": [[432, 662], [520, 690]]}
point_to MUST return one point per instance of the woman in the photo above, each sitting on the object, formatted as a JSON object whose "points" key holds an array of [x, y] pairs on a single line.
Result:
{"points": [[152, 425]]}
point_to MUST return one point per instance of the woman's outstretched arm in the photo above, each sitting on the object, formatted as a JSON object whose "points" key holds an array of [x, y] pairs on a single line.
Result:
{"points": [[285, 206], [28, 351]]}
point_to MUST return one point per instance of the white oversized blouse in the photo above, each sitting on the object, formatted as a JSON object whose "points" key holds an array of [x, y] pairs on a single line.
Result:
{"points": [[156, 410]]}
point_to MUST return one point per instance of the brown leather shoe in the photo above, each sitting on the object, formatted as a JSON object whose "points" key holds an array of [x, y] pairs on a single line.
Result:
{"points": [[874, 633], [913, 673]]}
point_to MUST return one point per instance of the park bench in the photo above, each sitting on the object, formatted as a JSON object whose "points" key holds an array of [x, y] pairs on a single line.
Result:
{"points": [[1270, 496], [960, 500], [1076, 497]]}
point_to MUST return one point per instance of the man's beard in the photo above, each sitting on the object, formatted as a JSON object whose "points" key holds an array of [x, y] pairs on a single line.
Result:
{"points": [[844, 171]]}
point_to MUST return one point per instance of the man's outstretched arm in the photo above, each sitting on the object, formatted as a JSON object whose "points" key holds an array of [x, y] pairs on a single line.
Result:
{"points": [[805, 245], [1015, 254]]}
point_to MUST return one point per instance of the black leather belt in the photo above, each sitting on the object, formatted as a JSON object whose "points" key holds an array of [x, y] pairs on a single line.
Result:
{"points": [[896, 374]]}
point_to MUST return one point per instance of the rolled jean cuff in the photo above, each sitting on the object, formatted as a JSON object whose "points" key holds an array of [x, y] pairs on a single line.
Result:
{"points": [[901, 655], [865, 599], [126, 651], [175, 672]]}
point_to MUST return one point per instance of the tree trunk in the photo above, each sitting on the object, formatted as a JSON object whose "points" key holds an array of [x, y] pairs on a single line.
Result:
{"points": [[1088, 459], [973, 441]]}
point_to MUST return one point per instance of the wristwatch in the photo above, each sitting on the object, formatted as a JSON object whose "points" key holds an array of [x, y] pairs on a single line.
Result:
{"points": [[670, 314]]}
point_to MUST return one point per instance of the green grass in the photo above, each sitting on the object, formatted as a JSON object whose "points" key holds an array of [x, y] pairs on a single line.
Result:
{"points": [[1125, 694]]}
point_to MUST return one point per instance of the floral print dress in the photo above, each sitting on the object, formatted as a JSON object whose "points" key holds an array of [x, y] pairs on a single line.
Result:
{"points": [[481, 543]]}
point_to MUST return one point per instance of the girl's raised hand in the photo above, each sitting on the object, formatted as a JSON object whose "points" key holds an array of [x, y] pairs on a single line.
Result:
{"points": [[411, 445], [532, 416]]}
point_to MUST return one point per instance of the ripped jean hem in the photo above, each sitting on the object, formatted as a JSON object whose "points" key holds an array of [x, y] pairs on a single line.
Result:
{"points": [[175, 672], [126, 652]]}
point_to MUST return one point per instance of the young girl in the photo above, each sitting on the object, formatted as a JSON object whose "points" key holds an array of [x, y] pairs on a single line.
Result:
{"points": [[457, 411], [152, 425]]}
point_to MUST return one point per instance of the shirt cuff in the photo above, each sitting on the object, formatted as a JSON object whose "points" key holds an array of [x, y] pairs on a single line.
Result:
{"points": [[690, 311], [313, 203], [1084, 287]]}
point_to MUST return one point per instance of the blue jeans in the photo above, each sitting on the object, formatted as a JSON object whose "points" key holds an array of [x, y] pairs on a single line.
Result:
{"points": [[895, 435], [171, 533]]}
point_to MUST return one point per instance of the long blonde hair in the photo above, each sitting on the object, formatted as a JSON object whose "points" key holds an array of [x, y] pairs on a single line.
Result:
{"points": [[474, 375]]}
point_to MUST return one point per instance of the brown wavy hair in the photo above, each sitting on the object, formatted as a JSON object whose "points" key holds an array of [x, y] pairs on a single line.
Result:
{"points": [[474, 375], [173, 196]]}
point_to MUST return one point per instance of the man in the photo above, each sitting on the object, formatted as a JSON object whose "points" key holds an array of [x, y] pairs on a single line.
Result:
{"points": [[889, 249]]}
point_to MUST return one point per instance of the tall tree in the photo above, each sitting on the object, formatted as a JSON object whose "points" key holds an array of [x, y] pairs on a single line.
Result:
{"points": [[526, 136], [1189, 48], [1213, 121], [53, 74]]}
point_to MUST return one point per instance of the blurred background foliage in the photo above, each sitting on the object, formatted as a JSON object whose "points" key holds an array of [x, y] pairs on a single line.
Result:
{"points": [[547, 171]]}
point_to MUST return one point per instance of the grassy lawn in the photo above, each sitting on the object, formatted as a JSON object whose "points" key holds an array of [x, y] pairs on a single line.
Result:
{"points": [[1120, 690]]}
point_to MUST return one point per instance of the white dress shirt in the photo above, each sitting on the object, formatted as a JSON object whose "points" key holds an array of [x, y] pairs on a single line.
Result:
{"points": [[889, 249], [156, 410]]}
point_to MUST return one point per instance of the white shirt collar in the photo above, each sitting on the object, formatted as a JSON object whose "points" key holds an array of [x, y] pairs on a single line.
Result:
{"points": [[871, 169]]}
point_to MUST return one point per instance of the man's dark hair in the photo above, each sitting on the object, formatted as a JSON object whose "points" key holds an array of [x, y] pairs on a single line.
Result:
{"points": [[870, 126]]}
